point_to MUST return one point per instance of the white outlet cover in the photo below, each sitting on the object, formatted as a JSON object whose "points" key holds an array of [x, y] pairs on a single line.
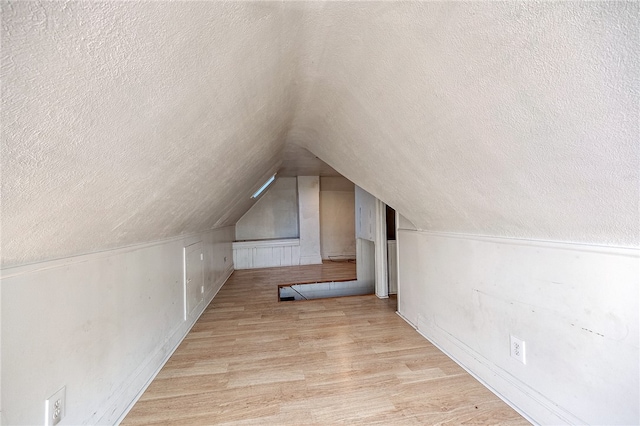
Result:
{"points": [[54, 407], [518, 349]]}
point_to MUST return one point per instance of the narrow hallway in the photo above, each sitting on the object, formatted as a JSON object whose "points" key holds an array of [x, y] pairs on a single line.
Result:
{"points": [[253, 360]]}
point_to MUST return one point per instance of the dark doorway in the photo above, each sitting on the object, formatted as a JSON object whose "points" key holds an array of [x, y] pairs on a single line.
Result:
{"points": [[391, 223]]}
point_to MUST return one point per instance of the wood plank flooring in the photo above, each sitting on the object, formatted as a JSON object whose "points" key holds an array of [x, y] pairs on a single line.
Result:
{"points": [[253, 360]]}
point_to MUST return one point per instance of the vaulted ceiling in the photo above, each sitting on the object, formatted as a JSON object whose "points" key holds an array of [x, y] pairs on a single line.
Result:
{"points": [[127, 122]]}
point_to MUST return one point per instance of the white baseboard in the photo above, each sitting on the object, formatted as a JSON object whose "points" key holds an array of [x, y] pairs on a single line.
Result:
{"points": [[522, 398], [141, 380], [311, 260], [14, 271], [216, 288], [468, 294]]}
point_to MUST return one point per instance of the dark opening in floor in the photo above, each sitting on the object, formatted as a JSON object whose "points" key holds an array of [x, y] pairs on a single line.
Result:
{"points": [[323, 290]]}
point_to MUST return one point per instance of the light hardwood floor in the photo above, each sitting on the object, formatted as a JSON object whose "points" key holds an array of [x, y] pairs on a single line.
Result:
{"points": [[253, 360]]}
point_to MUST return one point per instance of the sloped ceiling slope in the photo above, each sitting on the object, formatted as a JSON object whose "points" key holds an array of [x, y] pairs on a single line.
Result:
{"points": [[128, 122], [494, 118]]}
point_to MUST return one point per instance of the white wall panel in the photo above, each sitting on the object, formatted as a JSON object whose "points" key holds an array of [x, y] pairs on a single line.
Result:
{"points": [[309, 216], [266, 254], [365, 214], [365, 261], [392, 266], [138, 119], [101, 324], [337, 218], [575, 306]]}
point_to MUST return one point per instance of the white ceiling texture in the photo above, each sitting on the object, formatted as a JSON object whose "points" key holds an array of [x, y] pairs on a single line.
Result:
{"points": [[128, 122]]}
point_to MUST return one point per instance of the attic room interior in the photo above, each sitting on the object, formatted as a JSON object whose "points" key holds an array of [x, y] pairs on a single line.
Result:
{"points": [[504, 136]]}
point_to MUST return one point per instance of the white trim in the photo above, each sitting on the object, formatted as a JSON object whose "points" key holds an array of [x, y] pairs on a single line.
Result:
{"points": [[157, 362], [184, 282], [474, 375], [392, 266], [478, 366], [265, 243], [266, 253], [398, 278], [406, 320], [315, 259], [592, 248], [44, 265], [514, 391], [186, 250], [380, 265]]}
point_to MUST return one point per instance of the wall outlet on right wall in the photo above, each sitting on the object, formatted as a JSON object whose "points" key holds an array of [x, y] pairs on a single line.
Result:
{"points": [[518, 349], [54, 407]]}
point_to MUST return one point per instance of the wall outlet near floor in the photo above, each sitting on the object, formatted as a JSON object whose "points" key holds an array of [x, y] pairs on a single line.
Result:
{"points": [[54, 408], [518, 349]]}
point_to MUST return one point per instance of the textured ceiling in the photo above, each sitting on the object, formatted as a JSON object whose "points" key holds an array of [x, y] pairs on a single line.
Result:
{"points": [[127, 122], [297, 161], [494, 118]]}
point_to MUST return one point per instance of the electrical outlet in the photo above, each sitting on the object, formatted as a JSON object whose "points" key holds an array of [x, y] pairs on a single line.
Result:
{"points": [[54, 407], [518, 349]]}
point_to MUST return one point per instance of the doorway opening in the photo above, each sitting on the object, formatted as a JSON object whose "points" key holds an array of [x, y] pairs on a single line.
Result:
{"points": [[392, 252]]}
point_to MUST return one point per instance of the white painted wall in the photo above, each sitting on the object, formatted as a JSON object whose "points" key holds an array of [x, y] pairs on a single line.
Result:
{"points": [[392, 266], [266, 253], [365, 262], [365, 214], [337, 218], [365, 218], [371, 226], [309, 218], [404, 223], [100, 324], [127, 122], [576, 307], [274, 215]]}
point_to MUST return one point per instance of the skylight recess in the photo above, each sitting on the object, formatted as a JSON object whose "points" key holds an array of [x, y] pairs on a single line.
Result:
{"points": [[263, 187]]}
